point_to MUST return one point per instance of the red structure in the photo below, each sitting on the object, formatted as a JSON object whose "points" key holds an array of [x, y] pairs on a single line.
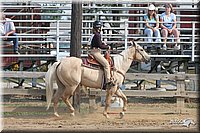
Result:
{"points": [[9, 61]]}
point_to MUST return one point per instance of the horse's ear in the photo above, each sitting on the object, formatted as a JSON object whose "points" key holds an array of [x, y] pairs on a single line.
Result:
{"points": [[133, 43]]}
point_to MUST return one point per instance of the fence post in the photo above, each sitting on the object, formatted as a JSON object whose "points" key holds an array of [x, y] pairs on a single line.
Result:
{"points": [[21, 67], [75, 43], [193, 39], [92, 103], [126, 34], [57, 39], [180, 99], [34, 80]]}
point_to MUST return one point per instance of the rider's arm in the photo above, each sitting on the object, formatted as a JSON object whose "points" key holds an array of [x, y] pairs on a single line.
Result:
{"points": [[99, 43]]}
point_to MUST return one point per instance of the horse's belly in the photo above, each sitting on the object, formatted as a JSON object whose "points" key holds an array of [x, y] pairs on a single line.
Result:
{"points": [[91, 78]]}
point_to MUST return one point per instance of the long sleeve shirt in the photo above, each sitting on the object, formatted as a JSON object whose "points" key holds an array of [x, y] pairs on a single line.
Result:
{"points": [[97, 43]]}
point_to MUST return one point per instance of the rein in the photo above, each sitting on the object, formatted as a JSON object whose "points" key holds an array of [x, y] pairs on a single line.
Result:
{"points": [[140, 54], [120, 71], [121, 74], [134, 57]]}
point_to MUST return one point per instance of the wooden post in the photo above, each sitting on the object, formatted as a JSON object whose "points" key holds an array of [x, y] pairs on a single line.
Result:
{"points": [[21, 66], [76, 28], [75, 45], [180, 100], [92, 103], [34, 80]]}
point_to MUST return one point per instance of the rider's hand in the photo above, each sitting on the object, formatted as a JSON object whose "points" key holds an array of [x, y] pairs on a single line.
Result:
{"points": [[104, 43]]}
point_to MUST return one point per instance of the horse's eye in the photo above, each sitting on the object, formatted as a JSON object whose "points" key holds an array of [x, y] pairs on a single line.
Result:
{"points": [[141, 49]]}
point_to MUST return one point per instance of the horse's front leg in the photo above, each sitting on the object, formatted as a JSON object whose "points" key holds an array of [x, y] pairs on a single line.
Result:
{"points": [[108, 101], [120, 94], [109, 94]]}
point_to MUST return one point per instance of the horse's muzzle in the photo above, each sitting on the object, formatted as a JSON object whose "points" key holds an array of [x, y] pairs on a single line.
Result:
{"points": [[147, 59]]}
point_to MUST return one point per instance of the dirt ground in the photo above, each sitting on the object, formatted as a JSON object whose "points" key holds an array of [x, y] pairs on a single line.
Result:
{"points": [[31, 115]]}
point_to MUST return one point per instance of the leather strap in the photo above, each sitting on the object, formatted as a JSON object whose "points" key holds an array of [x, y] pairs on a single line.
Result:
{"points": [[121, 74]]}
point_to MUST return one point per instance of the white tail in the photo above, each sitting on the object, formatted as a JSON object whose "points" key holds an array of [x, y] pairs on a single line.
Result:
{"points": [[50, 77]]}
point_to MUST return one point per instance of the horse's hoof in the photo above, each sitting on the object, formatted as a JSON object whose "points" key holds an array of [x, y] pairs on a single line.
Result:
{"points": [[124, 109], [106, 115], [72, 114], [57, 115], [121, 115]]}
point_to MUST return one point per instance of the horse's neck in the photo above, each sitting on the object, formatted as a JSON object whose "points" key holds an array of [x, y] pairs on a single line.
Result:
{"points": [[123, 61]]}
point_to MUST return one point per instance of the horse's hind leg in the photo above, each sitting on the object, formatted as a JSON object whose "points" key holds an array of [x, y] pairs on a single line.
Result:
{"points": [[66, 99], [57, 96], [120, 94]]}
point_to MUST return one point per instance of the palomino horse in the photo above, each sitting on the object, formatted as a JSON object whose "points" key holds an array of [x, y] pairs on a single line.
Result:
{"points": [[69, 74]]}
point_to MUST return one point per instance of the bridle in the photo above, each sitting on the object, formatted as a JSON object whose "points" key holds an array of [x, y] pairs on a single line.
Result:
{"points": [[134, 57], [137, 50]]}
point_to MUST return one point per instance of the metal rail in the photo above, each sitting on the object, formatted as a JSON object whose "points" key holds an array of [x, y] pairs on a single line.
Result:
{"points": [[99, 2], [91, 14], [123, 35]]}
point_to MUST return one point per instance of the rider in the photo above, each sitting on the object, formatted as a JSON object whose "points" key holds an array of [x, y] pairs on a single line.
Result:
{"points": [[96, 46]]}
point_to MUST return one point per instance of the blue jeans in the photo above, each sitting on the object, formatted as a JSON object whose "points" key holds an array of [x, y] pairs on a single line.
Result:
{"points": [[149, 33], [14, 40]]}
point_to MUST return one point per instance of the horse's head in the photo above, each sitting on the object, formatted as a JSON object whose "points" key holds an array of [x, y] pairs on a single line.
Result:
{"points": [[139, 54]]}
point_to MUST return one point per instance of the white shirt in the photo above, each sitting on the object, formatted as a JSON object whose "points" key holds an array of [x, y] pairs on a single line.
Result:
{"points": [[168, 20], [8, 25], [2, 29]]}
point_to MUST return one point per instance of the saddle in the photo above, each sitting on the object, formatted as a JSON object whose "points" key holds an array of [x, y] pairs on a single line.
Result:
{"points": [[90, 61]]}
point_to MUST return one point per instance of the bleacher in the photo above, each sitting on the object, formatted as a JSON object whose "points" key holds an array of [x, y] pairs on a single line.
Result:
{"points": [[44, 27]]}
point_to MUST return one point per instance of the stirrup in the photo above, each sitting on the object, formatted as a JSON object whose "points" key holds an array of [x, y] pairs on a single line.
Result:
{"points": [[110, 84]]}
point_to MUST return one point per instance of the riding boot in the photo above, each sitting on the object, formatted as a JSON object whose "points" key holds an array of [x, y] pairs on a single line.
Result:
{"points": [[110, 84]]}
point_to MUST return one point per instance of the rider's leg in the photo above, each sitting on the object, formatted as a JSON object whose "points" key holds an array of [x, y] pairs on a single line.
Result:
{"points": [[105, 64]]}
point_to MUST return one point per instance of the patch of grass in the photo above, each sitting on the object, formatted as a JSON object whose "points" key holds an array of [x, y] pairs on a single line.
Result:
{"points": [[22, 105], [191, 105]]}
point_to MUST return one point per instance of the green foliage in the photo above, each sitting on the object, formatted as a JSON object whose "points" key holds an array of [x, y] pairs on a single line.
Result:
{"points": [[53, 6]]}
